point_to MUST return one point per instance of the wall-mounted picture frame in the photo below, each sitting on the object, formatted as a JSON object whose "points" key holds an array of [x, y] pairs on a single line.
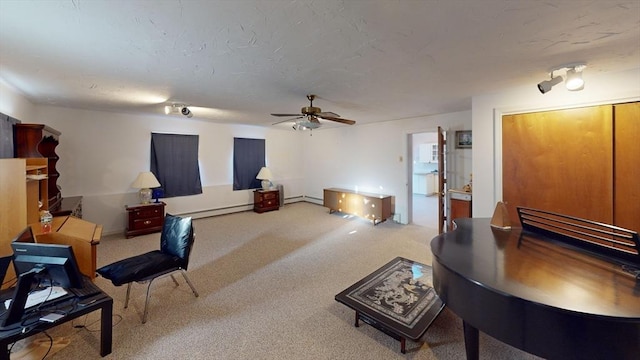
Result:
{"points": [[463, 139]]}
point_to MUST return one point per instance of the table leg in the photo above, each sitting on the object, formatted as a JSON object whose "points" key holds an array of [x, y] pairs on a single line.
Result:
{"points": [[403, 345], [106, 318], [471, 342], [4, 352], [357, 321]]}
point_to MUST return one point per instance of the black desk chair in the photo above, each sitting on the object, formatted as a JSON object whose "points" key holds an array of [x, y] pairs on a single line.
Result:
{"points": [[176, 242]]}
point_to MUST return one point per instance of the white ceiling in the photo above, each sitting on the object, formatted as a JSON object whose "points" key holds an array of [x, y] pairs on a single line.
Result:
{"points": [[370, 61]]}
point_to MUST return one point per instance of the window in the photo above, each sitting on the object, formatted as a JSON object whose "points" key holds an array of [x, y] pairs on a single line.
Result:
{"points": [[174, 162], [248, 159]]}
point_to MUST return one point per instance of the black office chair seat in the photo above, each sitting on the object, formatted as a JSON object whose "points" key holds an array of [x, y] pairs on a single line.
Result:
{"points": [[176, 242], [139, 267]]}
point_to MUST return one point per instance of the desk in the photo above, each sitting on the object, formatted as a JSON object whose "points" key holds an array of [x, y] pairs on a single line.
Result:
{"points": [[35, 326], [535, 295]]}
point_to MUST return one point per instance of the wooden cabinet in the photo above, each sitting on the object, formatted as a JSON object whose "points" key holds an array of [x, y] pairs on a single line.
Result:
{"points": [[144, 218], [266, 200], [36, 141], [374, 207], [459, 206]]}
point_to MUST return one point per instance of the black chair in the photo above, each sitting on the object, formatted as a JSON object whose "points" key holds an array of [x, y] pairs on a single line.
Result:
{"points": [[176, 242]]}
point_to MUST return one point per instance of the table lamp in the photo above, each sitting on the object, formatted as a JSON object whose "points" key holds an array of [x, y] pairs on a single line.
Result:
{"points": [[145, 181], [265, 175]]}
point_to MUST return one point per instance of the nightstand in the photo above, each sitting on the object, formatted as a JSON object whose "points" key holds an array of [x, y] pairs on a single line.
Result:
{"points": [[266, 200], [144, 218]]}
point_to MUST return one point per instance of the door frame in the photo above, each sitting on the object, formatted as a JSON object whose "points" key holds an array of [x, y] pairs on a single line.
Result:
{"points": [[409, 167]]}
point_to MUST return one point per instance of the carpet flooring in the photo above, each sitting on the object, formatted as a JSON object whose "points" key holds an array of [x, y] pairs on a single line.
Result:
{"points": [[267, 284]]}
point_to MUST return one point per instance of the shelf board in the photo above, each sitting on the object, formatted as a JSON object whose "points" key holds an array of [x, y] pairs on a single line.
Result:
{"points": [[35, 167]]}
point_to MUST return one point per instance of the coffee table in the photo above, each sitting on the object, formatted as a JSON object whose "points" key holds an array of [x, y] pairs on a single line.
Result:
{"points": [[397, 299]]}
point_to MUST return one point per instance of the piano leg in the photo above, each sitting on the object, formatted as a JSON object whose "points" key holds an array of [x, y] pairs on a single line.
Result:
{"points": [[471, 343]]}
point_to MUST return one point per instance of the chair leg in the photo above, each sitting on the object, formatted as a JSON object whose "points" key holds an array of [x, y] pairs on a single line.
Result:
{"points": [[126, 299], [174, 280], [146, 302], [184, 274]]}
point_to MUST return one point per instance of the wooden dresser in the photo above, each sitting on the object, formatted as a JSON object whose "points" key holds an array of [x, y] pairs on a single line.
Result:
{"points": [[266, 200], [144, 218], [374, 207]]}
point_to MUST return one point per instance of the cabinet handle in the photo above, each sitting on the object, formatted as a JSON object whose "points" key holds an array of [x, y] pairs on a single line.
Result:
{"points": [[147, 222]]}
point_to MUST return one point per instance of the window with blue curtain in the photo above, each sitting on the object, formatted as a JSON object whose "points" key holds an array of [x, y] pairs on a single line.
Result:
{"points": [[174, 162], [248, 159]]}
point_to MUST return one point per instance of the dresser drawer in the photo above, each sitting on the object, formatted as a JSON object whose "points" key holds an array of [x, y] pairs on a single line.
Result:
{"points": [[140, 224], [146, 213], [270, 195], [267, 203]]}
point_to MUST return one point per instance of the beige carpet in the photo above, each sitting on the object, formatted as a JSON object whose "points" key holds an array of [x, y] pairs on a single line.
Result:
{"points": [[267, 284]]}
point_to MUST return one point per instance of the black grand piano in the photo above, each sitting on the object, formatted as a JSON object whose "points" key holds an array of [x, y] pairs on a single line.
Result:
{"points": [[557, 287]]}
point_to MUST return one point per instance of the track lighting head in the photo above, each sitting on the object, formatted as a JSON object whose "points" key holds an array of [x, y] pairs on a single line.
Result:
{"points": [[178, 109], [546, 85], [186, 112], [573, 82]]}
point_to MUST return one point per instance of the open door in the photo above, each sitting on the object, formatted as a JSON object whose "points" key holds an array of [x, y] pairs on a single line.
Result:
{"points": [[442, 218]]}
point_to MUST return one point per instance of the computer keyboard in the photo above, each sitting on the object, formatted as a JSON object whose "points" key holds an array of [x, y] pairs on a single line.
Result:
{"points": [[39, 296], [88, 289]]}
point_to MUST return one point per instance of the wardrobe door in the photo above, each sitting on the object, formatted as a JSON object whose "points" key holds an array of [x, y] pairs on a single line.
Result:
{"points": [[559, 161], [626, 178]]}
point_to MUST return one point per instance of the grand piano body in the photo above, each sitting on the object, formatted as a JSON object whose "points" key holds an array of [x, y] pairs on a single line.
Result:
{"points": [[559, 287]]}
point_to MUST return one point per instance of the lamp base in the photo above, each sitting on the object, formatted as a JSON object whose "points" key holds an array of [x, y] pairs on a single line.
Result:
{"points": [[145, 196], [266, 184]]}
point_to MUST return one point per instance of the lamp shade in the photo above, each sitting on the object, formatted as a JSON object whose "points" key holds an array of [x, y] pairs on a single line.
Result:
{"points": [[145, 180], [264, 174]]}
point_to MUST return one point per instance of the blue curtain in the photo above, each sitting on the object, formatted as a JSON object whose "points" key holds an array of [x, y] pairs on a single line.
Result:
{"points": [[248, 159], [174, 162]]}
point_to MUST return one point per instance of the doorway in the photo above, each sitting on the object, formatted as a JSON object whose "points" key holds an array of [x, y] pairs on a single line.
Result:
{"points": [[424, 179]]}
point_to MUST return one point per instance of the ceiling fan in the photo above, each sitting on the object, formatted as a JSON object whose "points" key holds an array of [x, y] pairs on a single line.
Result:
{"points": [[309, 117]]}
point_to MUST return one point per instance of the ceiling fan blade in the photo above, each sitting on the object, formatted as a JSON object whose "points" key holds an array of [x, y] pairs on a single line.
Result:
{"points": [[280, 122], [285, 115], [340, 120], [327, 113]]}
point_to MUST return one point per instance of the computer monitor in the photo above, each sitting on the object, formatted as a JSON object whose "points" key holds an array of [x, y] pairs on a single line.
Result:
{"points": [[52, 264], [56, 263], [25, 236]]}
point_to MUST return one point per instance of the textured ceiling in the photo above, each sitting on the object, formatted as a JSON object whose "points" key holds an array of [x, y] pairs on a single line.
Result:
{"points": [[239, 61]]}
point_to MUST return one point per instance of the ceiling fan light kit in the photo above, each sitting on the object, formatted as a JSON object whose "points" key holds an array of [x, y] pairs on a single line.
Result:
{"points": [[309, 116]]}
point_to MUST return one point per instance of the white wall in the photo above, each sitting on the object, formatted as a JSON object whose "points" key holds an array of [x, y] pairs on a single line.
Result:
{"points": [[372, 157], [101, 153], [487, 123], [14, 104]]}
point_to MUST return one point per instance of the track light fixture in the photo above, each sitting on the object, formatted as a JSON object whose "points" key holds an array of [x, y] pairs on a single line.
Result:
{"points": [[545, 86], [573, 82], [178, 109]]}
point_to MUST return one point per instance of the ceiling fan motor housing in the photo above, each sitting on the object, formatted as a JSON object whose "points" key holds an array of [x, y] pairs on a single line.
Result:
{"points": [[310, 110]]}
